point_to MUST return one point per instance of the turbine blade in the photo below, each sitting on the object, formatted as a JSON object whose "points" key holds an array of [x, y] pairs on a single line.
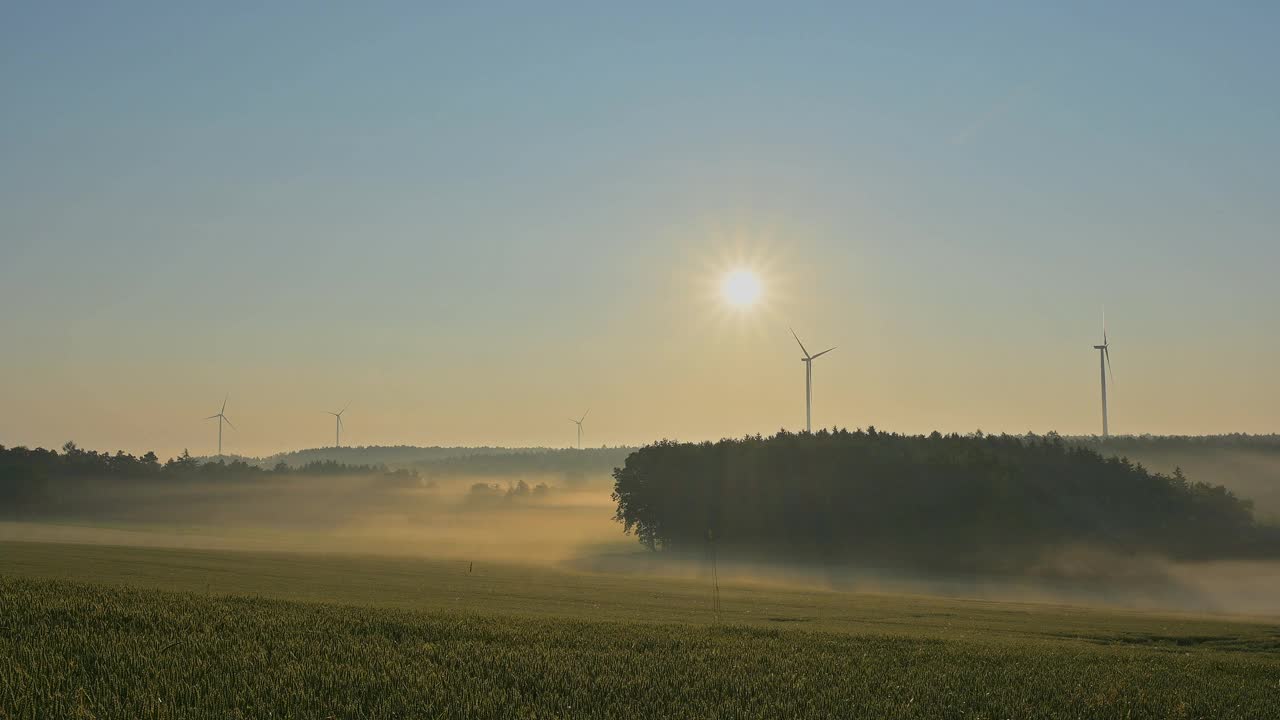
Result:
{"points": [[224, 417], [824, 352], [344, 407], [212, 417], [224, 403], [585, 414], [797, 337], [1106, 353]]}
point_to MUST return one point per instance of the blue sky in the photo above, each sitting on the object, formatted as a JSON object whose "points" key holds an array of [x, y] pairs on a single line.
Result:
{"points": [[472, 221]]}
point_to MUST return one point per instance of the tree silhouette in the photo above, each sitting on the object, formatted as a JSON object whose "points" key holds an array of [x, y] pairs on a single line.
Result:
{"points": [[993, 502]]}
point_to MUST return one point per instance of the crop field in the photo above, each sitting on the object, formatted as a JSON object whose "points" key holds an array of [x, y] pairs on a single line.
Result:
{"points": [[112, 632]]}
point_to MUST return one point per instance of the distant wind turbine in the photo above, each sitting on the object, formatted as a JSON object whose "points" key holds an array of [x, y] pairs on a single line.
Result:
{"points": [[1104, 369], [808, 380], [222, 418], [578, 422], [337, 422]]}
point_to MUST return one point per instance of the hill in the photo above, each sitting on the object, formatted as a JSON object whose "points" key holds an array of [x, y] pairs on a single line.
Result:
{"points": [[389, 455]]}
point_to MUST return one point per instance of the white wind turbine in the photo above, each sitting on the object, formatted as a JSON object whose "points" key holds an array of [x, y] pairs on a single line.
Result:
{"points": [[1104, 369], [808, 380], [578, 422], [222, 418], [337, 424]]}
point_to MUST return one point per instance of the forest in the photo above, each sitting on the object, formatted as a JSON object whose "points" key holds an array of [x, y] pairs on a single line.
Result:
{"points": [[1248, 465], [1203, 443], [457, 461], [394, 456], [34, 480], [955, 502]]}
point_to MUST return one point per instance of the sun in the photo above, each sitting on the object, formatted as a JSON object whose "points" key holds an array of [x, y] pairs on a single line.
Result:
{"points": [[740, 288]]}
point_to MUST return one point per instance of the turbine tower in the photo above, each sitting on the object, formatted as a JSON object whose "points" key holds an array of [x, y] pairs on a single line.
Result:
{"points": [[222, 418], [337, 423], [808, 380], [1104, 369], [578, 422]]}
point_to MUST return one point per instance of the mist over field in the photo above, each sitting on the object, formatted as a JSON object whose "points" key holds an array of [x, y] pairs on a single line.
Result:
{"points": [[555, 508], [533, 514]]}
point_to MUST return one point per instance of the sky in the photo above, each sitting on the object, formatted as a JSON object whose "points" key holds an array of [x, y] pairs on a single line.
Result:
{"points": [[472, 221]]}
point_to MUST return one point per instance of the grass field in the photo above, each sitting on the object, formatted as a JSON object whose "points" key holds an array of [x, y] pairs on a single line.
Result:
{"points": [[112, 632]]}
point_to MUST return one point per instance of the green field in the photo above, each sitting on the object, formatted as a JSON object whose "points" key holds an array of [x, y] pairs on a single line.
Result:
{"points": [[112, 632]]}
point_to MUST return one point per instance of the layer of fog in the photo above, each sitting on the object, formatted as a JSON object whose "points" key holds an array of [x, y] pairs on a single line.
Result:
{"points": [[1078, 576], [1247, 473], [544, 521], [528, 519]]}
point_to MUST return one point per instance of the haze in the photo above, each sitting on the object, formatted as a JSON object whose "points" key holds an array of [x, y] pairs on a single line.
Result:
{"points": [[473, 224]]}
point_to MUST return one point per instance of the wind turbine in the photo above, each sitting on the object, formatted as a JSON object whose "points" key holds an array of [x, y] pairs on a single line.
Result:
{"points": [[578, 422], [337, 422], [808, 380], [222, 418], [1104, 369]]}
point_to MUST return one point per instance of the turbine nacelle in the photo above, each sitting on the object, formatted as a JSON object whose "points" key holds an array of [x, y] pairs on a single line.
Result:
{"points": [[811, 358]]}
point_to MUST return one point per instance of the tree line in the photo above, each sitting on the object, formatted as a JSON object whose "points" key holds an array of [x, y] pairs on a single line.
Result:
{"points": [[390, 455], [995, 502], [27, 476], [573, 466], [1202, 443]]}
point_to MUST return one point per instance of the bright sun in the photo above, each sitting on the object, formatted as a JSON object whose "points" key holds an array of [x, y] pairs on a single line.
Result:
{"points": [[740, 288]]}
